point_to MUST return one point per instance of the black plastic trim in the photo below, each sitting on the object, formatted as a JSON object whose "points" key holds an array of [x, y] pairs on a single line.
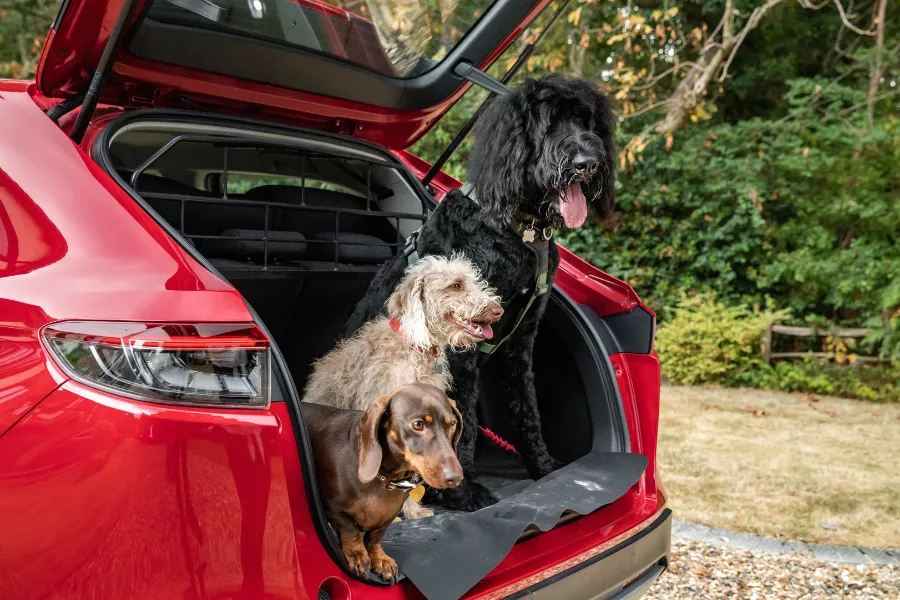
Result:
{"points": [[60, 15], [631, 332], [481, 79], [607, 397], [310, 71], [664, 521], [639, 586]]}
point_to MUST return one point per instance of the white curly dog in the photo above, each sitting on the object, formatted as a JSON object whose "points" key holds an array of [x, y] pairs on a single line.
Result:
{"points": [[442, 303]]}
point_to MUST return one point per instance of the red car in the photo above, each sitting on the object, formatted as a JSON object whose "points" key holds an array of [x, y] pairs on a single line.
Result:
{"points": [[193, 196]]}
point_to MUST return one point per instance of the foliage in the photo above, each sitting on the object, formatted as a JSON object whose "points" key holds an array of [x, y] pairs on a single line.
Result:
{"points": [[864, 382], [778, 188], [794, 209], [23, 27], [706, 341]]}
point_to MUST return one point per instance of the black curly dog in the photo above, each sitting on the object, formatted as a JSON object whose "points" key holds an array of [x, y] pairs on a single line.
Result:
{"points": [[542, 154]]}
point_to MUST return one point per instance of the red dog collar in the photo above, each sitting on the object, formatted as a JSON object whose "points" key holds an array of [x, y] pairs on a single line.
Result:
{"points": [[395, 325]]}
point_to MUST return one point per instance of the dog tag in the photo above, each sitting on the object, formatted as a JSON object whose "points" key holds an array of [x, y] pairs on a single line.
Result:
{"points": [[417, 493], [528, 236]]}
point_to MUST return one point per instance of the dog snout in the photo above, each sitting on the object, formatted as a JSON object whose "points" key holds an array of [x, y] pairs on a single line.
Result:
{"points": [[495, 311], [584, 165], [451, 472]]}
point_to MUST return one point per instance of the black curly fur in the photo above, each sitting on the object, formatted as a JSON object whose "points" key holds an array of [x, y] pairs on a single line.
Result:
{"points": [[526, 141], [522, 159]]}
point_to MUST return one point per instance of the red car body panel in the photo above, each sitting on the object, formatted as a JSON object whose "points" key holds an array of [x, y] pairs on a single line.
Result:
{"points": [[107, 497], [131, 500]]}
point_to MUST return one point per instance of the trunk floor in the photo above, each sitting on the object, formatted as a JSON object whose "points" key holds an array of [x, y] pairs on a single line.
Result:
{"points": [[445, 555], [500, 471]]}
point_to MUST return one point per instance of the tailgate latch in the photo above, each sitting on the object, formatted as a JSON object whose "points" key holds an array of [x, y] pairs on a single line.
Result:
{"points": [[344, 127]]}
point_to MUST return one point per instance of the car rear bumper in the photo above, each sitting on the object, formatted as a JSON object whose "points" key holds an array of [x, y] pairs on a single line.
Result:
{"points": [[624, 572]]}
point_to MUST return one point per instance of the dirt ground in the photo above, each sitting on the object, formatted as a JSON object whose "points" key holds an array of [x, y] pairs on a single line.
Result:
{"points": [[791, 466]]}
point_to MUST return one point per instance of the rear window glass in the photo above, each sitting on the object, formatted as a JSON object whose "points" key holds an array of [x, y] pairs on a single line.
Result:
{"points": [[399, 38]]}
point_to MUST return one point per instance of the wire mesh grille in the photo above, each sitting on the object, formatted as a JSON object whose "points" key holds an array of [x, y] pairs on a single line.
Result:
{"points": [[265, 236]]}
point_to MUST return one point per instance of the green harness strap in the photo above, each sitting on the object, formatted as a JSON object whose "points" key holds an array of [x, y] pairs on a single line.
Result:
{"points": [[541, 249]]}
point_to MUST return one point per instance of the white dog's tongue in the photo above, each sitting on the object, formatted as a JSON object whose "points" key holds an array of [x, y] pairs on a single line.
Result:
{"points": [[573, 206], [487, 331]]}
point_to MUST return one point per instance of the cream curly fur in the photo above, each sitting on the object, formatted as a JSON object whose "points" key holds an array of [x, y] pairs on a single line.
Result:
{"points": [[378, 359]]}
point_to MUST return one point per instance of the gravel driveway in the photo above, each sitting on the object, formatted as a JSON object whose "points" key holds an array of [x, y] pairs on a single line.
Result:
{"points": [[699, 571]]}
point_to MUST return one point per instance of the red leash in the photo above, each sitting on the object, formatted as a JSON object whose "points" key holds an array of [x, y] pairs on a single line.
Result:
{"points": [[498, 440]]}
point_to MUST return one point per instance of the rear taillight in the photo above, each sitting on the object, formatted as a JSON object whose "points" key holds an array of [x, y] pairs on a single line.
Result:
{"points": [[210, 364]]}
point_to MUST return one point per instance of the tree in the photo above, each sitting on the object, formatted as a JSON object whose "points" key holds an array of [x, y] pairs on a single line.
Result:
{"points": [[23, 28]]}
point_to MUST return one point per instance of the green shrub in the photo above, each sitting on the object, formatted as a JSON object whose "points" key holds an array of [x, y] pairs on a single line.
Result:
{"points": [[864, 382], [792, 209], [706, 341]]}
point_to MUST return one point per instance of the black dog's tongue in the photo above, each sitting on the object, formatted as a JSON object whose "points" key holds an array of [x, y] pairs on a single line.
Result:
{"points": [[573, 206]]}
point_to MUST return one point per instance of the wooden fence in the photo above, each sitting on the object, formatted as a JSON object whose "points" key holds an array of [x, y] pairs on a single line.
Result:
{"points": [[807, 332]]}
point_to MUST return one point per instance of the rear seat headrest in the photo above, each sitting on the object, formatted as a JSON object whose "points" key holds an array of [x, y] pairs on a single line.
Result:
{"points": [[312, 196], [248, 243], [310, 222], [353, 248]]}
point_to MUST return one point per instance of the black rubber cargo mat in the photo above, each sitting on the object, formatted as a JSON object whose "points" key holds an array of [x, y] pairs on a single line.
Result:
{"points": [[447, 554]]}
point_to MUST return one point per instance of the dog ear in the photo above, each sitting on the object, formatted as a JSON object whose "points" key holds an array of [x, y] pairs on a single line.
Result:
{"points": [[407, 303], [369, 446], [459, 423], [498, 159]]}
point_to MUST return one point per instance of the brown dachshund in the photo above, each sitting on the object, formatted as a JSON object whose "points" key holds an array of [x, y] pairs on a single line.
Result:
{"points": [[368, 462]]}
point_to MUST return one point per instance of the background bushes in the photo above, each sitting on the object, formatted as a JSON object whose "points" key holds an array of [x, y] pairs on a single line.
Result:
{"points": [[708, 342]]}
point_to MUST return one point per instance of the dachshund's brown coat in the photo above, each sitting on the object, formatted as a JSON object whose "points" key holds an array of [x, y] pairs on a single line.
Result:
{"points": [[413, 430]]}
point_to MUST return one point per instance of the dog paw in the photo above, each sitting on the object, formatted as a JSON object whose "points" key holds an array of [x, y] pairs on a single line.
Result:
{"points": [[358, 561], [469, 497], [541, 466], [385, 567]]}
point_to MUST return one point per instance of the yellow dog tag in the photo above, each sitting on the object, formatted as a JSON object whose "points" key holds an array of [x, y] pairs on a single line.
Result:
{"points": [[417, 493]]}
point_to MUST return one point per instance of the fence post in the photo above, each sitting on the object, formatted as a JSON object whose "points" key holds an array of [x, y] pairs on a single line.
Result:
{"points": [[767, 345]]}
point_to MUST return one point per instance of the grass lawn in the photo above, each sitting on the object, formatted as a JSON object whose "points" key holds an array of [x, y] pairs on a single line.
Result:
{"points": [[791, 466]]}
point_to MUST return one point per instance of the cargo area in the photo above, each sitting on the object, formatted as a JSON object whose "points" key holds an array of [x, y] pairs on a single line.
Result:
{"points": [[299, 222]]}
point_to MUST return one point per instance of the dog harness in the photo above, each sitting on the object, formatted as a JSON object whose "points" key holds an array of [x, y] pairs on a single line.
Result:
{"points": [[536, 240]]}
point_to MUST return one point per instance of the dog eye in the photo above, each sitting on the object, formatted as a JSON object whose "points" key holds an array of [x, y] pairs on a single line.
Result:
{"points": [[453, 423], [454, 286], [418, 425]]}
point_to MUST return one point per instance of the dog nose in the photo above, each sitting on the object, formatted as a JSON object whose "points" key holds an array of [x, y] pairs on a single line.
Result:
{"points": [[451, 472], [452, 478], [496, 311], [584, 165]]}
